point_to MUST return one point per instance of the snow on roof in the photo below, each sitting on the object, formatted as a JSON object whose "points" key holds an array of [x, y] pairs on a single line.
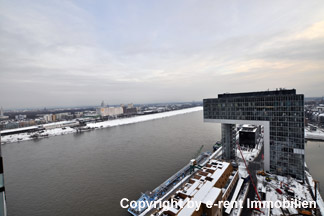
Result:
{"points": [[199, 196], [219, 172], [207, 192], [192, 188], [232, 179], [173, 210], [212, 195], [204, 190], [236, 192]]}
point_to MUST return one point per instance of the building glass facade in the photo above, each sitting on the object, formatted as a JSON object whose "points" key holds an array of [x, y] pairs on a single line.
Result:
{"points": [[284, 109]]}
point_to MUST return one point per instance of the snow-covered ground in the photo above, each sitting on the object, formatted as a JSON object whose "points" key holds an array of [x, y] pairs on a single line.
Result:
{"points": [[277, 182], [109, 123], [249, 155], [300, 191], [319, 200], [136, 119], [27, 136]]}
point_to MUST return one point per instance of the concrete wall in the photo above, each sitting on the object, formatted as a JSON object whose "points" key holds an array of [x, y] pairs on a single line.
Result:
{"points": [[266, 138]]}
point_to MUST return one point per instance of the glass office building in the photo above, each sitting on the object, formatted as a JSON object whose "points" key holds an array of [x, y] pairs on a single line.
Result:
{"points": [[282, 110]]}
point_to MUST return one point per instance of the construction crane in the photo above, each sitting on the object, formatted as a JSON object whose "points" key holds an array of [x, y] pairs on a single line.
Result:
{"points": [[198, 152], [255, 189], [193, 162]]}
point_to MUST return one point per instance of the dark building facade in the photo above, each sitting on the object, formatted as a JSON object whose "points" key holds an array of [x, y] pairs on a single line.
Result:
{"points": [[248, 136], [282, 111]]}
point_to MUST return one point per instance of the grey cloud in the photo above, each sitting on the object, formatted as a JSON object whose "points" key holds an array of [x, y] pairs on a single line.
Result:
{"points": [[312, 50], [66, 54]]}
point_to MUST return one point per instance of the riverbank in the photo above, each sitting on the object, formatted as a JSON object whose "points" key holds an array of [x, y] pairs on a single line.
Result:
{"points": [[97, 125], [123, 161]]}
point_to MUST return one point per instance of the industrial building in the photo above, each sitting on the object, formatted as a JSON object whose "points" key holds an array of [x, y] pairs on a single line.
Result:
{"points": [[106, 111], [212, 184], [109, 111], [129, 110], [281, 112]]}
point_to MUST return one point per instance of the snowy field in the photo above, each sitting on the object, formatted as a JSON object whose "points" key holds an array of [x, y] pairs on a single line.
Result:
{"points": [[110, 123]]}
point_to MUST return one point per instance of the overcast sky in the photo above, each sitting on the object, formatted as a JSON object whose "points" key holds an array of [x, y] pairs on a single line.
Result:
{"points": [[70, 53]]}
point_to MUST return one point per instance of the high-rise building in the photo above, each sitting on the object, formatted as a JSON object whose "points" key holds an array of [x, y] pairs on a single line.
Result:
{"points": [[102, 104], [2, 116], [281, 112]]}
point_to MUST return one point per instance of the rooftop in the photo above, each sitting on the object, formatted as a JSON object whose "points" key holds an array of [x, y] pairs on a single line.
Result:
{"points": [[260, 93], [201, 187]]}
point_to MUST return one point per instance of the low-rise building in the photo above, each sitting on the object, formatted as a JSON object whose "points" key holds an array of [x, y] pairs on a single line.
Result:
{"points": [[211, 185], [90, 114], [109, 111], [48, 117], [63, 116], [78, 114], [20, 117], [129, 110]]}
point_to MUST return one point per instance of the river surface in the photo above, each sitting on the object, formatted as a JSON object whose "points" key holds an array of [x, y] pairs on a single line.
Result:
{"points": [[314, 156], [89, 173]]}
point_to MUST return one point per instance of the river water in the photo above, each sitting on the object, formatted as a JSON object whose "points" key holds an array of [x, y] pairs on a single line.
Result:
{"points": [[314, 152], [89, 173]]}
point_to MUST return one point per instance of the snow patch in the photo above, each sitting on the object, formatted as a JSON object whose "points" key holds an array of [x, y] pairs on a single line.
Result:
{"points": [[110, 123]]}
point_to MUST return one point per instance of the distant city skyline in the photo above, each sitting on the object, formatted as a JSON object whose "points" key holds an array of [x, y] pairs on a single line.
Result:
{"points": [[74, 53], [99, 105]]}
